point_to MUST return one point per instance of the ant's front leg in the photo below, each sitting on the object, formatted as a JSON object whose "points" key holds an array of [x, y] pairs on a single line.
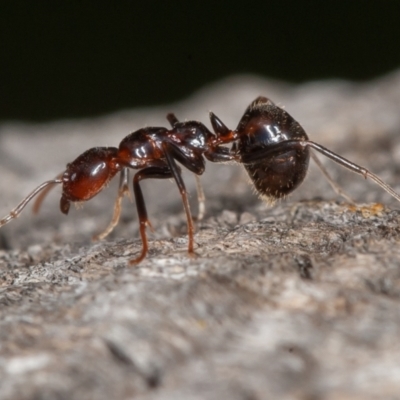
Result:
{"points": [[201, 199], [122, 191], [146, 173]]}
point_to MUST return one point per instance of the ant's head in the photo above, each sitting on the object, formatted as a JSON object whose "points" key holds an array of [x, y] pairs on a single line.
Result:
{"points": [[83, 179], [87, 175]]}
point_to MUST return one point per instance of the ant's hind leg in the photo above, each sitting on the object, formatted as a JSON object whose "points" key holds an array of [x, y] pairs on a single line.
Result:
{"points": [[122, 191], [351, 166], [338, 190], [147, 173]]}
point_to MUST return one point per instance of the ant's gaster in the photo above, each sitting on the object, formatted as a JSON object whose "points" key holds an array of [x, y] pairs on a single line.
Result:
{"points": [[271, 145], [275, 151]]}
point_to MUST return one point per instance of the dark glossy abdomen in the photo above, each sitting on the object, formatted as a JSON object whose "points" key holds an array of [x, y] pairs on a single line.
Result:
{"points": [[271, 145], [276, 177]]}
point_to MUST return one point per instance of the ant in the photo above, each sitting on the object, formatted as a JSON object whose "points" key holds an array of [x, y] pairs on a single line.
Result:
{"points": [[272, 146], [153, 151]]}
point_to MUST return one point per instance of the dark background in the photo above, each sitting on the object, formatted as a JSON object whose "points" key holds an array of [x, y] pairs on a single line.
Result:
{"points": [[83, 58]]}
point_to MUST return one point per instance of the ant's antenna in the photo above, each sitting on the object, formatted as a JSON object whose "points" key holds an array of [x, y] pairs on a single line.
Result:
{"points": [[17, 210]]}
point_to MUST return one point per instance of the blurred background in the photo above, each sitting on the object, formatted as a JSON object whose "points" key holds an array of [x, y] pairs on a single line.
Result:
{"points": [[86, 58]]}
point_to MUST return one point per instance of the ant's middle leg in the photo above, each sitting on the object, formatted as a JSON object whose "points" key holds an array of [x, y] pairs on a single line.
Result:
{"points": [[201, 198], [146, 173], [193, 164]]}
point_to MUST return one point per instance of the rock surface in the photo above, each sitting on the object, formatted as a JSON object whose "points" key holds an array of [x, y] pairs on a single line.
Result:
{"points": [[296, 301]]}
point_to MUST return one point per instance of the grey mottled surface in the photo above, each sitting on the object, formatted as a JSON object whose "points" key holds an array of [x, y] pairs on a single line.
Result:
{"points": [[298, 301]]}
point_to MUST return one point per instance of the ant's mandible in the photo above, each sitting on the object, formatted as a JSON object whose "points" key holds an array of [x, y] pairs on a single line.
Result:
{"points": [[271, 145]]}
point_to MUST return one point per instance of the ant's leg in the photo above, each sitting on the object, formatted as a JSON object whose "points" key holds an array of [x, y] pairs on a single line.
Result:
{"points": [[122, 191], [201, 198], [17, 210], [352, 167], [173, 120], [272, 150], [283, 147], [147, 173], [333, 184], [171, 153], [39, 200]]}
